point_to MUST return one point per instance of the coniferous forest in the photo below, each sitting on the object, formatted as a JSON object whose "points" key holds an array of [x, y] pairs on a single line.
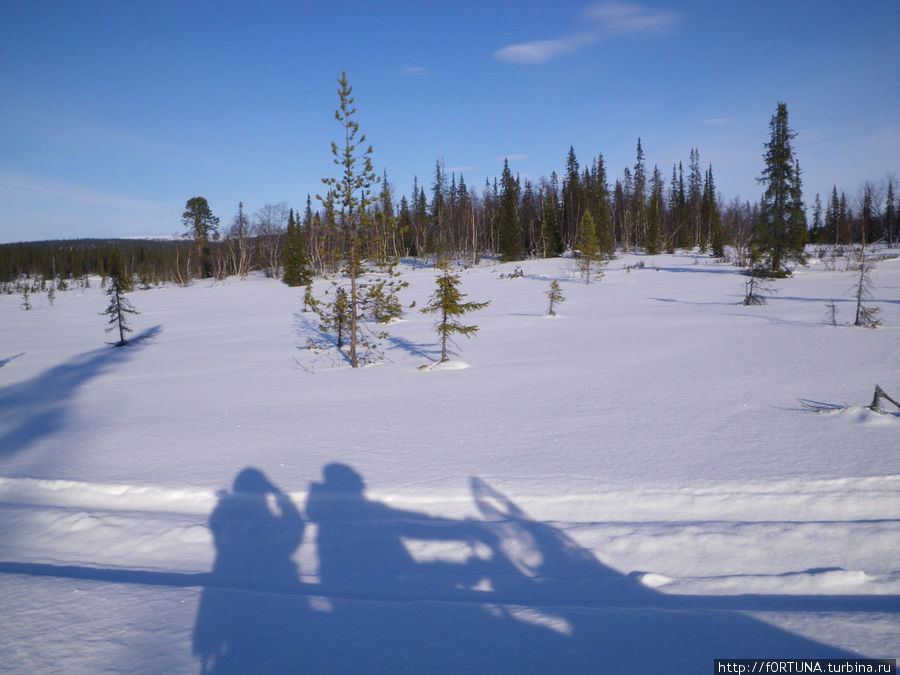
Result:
{"points": [[508, 218]]}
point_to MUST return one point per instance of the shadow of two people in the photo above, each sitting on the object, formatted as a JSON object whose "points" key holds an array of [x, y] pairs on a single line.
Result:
{"points": [[525, 598]]}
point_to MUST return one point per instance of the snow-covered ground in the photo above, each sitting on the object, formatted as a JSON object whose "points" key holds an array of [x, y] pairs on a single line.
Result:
{"points": [[630, 486]]}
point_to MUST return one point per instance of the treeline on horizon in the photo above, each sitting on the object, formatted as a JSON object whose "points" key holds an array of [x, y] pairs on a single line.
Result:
{"points": [[509, 218]]}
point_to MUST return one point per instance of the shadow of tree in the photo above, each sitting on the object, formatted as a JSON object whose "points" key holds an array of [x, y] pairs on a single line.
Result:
{"points": [[39, 407]]}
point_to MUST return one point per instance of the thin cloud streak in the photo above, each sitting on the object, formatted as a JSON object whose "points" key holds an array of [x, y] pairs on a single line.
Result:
{"points": [[621, 17], [414, 71], [18, 187], [610, 18]]}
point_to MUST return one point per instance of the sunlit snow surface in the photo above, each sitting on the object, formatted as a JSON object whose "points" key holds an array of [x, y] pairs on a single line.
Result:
{"points": [[632, 484]]}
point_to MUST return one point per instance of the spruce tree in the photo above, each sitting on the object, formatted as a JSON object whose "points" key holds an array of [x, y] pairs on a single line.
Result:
{"points": [[297, 271], [119, 306], [510, 239], [550, 234], [866, 316], [572, 198], [712, 219], [639, 197], [654, 213], [781, 232], [890, 214], [590, 258], [447, 302]]}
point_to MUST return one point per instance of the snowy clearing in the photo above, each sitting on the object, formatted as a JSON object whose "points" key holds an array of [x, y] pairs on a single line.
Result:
{"points": [[634, 484]]}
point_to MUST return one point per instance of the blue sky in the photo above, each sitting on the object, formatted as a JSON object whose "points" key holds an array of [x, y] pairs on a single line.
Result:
{"points": [[114, 114]]}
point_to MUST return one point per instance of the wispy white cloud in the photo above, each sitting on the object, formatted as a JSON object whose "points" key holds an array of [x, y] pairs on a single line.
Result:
{"points": [[414, 71], [608, 19], [459, 169], [511, 158], [718, 121], [540, 51]]}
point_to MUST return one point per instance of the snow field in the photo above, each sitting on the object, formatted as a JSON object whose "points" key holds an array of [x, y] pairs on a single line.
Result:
{"points": [[613, 469]]}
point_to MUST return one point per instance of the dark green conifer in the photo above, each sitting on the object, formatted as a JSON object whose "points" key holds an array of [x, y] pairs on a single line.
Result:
{"points": [[781, 232], [119, 306], [510, 235], [447, 302], [297, 270]]}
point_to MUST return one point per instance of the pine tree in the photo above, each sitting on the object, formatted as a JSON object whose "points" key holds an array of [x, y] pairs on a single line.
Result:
{"points": [[119, 306], [201, 225], [446, 301], [555, 295], [781, 232], [350, 193]]}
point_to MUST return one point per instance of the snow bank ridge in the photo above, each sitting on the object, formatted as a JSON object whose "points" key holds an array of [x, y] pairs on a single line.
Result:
{"points": [[844, 499]]}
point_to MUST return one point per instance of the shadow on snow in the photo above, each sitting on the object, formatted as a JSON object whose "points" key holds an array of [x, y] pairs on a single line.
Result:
{"points": [[524, 597], [39, 407]]}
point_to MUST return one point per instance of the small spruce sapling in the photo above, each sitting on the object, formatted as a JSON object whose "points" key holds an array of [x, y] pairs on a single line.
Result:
{"points": [[867, 317], [831, 312], [554, 293], [26, 303], [754, 288], [446, 300]]}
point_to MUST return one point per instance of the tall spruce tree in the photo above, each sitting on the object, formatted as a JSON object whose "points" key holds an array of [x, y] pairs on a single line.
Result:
{"points": [[550, 235], [890, 214], [639, 197], [781, 232], [710, 216], [447, 302], [655, 213], [510, 235], [297, 271], [119, 307], [590, 258]]}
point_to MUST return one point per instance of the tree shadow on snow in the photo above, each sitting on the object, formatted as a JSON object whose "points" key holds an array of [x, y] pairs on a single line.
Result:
{"points": [[34, 409], [502, 594]]}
